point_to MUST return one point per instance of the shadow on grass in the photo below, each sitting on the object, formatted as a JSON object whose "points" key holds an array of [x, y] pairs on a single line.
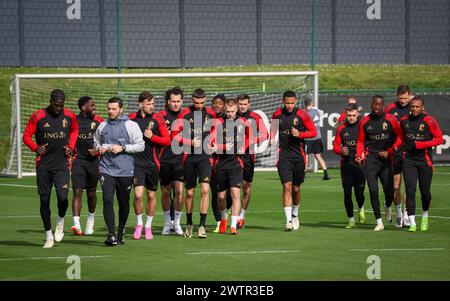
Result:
{"points": [[19, 243]]}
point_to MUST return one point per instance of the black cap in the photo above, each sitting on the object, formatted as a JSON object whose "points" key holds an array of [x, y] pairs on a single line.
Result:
{"points": [[220, 96]]}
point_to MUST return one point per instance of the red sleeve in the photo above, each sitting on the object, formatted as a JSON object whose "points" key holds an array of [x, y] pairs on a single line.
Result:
{"points": [[211, 112], [342, 117], [435, 132], [274, 127], [98, 119], [73, 132], [177, 126], [401, 137], [311, 130], [361, 138], [397, 132], [164, 138], [338, 141], [389, 107], [261, 127], [132, 116], [31, 128]]}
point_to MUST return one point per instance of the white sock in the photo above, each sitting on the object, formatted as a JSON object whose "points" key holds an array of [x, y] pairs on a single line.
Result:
{"points": [[399, 209], [405, 213], [49, 234], [425, 214], [234, 220], [379, 221], [242, 215], [351, 219], [223, 214], [177, 218], [288, 213], [295, 210], [139, 220], [60, 220], [91, 217], [218, 224], [412, 219], [148, 223], [166, 217], [76, 221]]}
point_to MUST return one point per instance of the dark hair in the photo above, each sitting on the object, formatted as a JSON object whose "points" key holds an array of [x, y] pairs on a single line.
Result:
{"points": [[376, 97], [352, 107], [83, 100], [174, 91], [198, 93], [145, 95], [56, 95], [402, 89], [242, 97], [231, 102], [289, 93], [220, 96], [307, 102], [116, 100], [419, 98]]}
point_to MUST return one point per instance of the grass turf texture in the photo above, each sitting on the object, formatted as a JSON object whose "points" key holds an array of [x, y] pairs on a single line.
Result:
{"points": [[321, 250]]}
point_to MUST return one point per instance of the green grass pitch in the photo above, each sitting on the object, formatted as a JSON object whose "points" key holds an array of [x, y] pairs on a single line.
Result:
{"points": [[321, 250]]}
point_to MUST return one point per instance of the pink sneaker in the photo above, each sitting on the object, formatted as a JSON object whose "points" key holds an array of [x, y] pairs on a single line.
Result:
{"points": [[138, 232], [148, 233]]}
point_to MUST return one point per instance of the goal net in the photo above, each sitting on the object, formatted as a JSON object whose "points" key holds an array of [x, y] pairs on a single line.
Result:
{"points": [[30, 92]]}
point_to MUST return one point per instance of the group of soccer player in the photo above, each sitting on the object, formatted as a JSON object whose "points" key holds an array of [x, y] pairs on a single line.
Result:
{"points": [[214, 147]]}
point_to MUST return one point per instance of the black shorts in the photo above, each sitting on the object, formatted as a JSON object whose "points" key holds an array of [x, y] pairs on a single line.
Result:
{"points": [[314, 146], [398, 163], [226, 177], [194, 168], [291, 171], [249, 167], [170, 172], [46, 178], [146, 176], [84, 176]]}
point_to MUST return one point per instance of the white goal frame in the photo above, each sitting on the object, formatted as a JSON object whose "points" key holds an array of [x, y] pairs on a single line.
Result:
{"points": [[19, 77]]}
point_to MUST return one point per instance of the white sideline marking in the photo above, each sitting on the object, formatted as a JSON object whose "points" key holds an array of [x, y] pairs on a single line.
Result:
{"points": [[420, 249], [51, 258], [243, 252]]}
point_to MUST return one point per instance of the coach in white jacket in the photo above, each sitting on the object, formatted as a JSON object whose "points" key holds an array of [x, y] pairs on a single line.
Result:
{"points": [[116, 139]]}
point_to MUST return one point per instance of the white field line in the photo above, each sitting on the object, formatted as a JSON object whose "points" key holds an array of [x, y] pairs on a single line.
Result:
{"points": [[52, 258], [243, 252], [387, 250]]}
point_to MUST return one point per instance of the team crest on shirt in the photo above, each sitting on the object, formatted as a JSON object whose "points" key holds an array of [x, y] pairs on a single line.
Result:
{"points": [[93, 125], [295, 122], [384, 126], [64, 123], [150, 125], [240, 129], [191, 121], [421, 127], [46, 125]]}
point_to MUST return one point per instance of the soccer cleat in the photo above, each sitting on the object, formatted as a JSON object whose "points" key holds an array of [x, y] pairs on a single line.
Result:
{"points": [[120, 238], [89, 228], [350, 225], [223, 226], [412, 228], [399, 222], [295, 223], [233, 231], [76, 231], [189, 230], [388, 213], [59, 232], [111, 240], [178, 230], [424, 224], [240, 223], [362, 216], [288, 226], [149, 234], [326, 177], [166, 229], [406, 222], [201, 232], [49, 244], [378, 228], [138, 232], [217, 228]]}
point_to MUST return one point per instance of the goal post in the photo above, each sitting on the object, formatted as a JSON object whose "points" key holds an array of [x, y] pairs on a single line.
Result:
{"points": [[30, 92]]}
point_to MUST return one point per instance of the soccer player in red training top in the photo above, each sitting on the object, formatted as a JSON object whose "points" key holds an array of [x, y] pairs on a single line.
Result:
{"points": [[420, 132], [85, 165], [55, 130], [194, 129], [171, 172], [293, 126], [260, 134], [146, 163], [352, 173], [376, 136], [231, 142], [341, 119], [399, 109]]}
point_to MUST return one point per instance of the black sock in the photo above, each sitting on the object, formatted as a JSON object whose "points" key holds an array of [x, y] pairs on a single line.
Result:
{"points": [[202, 219], [325, 173], [189, 218]]}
